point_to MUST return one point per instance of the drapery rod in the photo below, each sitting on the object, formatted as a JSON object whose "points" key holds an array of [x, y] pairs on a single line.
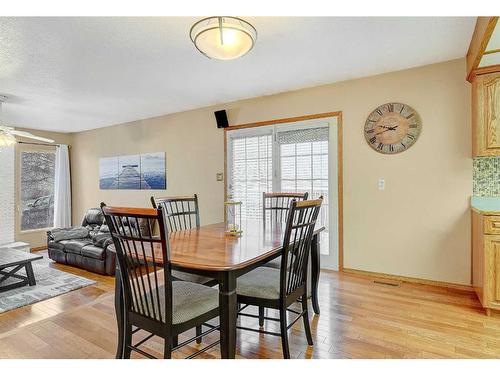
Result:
{"points": [[42, 144]]}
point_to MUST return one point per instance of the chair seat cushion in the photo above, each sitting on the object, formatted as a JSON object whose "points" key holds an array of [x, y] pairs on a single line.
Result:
{"points": [[185, 276], [91, 251], [262, 282], [275, 263], [76, 246], [190, 300]]}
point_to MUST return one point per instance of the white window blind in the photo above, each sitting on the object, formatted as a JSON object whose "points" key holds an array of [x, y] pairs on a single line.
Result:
{"points": [[251, 171], [303, 164]]}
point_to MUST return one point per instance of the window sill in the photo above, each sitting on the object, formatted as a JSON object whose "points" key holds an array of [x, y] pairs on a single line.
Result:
{"points": [[28, 231]]}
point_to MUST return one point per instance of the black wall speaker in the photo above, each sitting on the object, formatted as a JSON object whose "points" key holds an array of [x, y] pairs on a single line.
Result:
{"points": [[221, 118]]}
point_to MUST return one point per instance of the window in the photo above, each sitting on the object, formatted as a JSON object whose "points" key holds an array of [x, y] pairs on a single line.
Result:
{"points": [[37, 190]]}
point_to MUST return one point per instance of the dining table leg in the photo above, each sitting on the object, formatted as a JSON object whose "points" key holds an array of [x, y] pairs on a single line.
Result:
{"points": [[227, 314], [119, 310], [315, 269]]}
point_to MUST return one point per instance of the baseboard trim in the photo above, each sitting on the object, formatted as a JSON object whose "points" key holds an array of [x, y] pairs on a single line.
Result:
{"points": [[412, 280], [39, 248]]}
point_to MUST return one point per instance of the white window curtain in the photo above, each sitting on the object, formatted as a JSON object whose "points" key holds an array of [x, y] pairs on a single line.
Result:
{"points": [[62, 188]]}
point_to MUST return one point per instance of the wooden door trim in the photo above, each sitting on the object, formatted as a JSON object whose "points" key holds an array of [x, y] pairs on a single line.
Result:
{"points": [[340, 163], [484, 70], [482, 33]]}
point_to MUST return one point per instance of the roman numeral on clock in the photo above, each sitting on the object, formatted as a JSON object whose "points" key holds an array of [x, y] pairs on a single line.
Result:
{"points": [[411, 136], [379, 111], [413, 126], [391, 148], [370, 131], [380, 146], [390, 107], [373, 139]]}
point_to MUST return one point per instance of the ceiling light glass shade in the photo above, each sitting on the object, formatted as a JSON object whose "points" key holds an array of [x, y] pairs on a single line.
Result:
{"points": [[7, 139], [223, 38]]}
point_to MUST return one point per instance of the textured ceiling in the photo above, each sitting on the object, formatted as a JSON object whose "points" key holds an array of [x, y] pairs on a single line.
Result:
{"points": [[72, 74]]}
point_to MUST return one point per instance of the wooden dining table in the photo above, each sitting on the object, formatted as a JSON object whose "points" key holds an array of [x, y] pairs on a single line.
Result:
{"points": [[209, 251]]}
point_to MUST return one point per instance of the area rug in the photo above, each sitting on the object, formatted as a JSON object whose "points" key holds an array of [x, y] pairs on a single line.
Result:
{"points": [[50, 282]]}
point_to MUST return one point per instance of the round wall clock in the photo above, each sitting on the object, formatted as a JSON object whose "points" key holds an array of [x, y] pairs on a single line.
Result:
{"points": [[392, 128]]}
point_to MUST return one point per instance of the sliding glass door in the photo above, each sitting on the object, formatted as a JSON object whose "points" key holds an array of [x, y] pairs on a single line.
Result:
{"points": [[292, 157]]}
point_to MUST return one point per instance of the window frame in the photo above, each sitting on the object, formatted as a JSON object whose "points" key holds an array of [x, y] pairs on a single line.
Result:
{"points": [[20, 149]]}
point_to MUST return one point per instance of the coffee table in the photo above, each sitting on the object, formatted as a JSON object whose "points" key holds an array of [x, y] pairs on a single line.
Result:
{"points": [[13, 261]]}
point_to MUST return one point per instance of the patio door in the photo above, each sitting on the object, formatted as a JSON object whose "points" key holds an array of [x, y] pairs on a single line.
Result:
{"points": [[290, 157]]}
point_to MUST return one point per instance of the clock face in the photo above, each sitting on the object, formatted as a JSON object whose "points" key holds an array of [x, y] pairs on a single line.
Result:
{"points": [[392, 128]]}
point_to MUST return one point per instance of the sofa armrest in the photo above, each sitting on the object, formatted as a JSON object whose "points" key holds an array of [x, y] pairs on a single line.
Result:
{"points": [[49, 236], [110, 260]]}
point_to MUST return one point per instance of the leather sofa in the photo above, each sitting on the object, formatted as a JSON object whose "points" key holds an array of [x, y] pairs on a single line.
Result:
{"points": [[92, 253]]}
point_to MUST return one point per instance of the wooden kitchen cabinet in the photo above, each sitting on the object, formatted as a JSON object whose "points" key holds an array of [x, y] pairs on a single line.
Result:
{"points": [[486, 115], [486, 259]]}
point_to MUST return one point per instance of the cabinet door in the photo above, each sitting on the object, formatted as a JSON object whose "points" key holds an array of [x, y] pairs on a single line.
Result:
{"points": [[486, 115], [492, 279]]}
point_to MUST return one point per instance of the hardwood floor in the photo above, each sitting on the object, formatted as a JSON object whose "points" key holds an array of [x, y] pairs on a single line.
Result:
{"points": [[359, 319]]}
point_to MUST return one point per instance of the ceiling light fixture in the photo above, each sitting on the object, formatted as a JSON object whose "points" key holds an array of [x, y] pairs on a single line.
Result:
{"points": [[6, 139], [223, 38]]}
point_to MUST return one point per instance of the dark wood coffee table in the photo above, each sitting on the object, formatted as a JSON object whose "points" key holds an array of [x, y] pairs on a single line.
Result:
{"points": [[13, 261]]}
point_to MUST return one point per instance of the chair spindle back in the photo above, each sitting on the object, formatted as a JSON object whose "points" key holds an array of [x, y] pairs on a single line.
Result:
{"points": [[146, 279], [182, 213], [299, 231], [275, 206]]}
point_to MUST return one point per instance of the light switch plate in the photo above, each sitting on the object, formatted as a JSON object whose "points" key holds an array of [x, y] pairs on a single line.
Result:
{"points": [[219, 176], [381, 184]]}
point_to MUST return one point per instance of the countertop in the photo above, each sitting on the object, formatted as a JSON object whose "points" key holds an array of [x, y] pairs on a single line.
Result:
{"points": [[486, 205]]}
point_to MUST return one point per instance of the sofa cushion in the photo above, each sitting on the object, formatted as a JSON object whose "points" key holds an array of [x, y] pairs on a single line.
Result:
{"points": [[75, 246], [60, 234], [91, 251], [94, 217], [57, 245], [102, 239]]}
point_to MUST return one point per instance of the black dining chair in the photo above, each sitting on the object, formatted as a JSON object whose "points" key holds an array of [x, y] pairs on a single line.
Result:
{"points": [[153, 300], [267, 287], [275, 208], [183, 213]]}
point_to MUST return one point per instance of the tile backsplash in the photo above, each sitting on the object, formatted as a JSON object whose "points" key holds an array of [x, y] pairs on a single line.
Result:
{"points": [[486, 177]]}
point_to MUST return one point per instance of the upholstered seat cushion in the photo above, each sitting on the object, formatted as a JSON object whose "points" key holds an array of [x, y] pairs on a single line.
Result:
{"points": [[76, 246], [275, 263], [184, 276], [94, 252], [262, 282], [190, 300]]}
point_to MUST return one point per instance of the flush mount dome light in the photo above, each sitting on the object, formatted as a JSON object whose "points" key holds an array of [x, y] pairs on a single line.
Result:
{"points": [[223, 38]]}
